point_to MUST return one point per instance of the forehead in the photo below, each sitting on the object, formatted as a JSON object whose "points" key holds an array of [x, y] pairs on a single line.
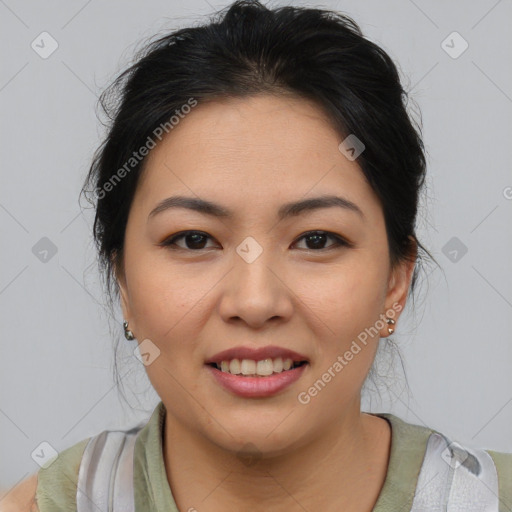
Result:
{"points": [[263, 147], [246, 126]]}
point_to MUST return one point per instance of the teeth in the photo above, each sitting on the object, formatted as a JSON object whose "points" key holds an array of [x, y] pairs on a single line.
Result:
{"points": [[265, 367], [248, 367], [261, 368], [278, 365], [234, 366]]}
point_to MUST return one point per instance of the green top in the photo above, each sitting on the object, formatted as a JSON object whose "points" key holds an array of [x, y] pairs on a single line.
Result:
{"points": [[57, 484]]}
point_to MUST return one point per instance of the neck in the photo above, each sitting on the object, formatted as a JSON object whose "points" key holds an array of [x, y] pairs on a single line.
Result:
{"points": [[343, 468]]}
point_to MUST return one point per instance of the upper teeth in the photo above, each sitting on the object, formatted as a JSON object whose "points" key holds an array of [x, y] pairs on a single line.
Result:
{"points": [[250, 367]]}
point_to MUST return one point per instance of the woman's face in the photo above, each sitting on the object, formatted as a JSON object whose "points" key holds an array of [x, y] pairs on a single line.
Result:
{"points": [[255, 279]]}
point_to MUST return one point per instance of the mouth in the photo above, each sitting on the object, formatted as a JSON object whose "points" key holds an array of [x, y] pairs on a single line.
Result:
{"points": [[261, 368], [257, 372]]}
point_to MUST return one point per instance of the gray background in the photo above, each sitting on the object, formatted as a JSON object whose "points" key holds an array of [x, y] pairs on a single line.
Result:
{"points": [[56, 380]]}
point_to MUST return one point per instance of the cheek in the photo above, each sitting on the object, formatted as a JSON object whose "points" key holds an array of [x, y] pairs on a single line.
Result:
{"points": [[158, 297], [350, 297], [346, 305], [168, 301]]}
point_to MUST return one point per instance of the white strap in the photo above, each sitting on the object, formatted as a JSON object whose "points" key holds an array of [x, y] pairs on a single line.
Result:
{"points": [[454, 478], [105, 477]]}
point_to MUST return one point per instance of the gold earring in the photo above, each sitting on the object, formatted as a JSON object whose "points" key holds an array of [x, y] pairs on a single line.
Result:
{"points": [[127, 333], [391, 330]]}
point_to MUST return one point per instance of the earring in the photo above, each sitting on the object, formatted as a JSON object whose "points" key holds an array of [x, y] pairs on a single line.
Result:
{"points": [[389, 321], [127, 333]]}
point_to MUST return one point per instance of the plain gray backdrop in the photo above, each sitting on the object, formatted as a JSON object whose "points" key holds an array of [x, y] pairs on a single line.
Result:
{"points": [[57, 351]]}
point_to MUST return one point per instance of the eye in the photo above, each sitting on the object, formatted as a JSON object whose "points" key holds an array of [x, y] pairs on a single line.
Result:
{"points": [[194, 240], [316, 240]]}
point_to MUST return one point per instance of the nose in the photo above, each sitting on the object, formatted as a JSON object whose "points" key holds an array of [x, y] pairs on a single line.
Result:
{"points": [[256, 292]]}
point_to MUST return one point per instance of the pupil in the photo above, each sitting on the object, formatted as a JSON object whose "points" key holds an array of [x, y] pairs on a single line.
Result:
{"points": [[196, 239], [316, 238]]}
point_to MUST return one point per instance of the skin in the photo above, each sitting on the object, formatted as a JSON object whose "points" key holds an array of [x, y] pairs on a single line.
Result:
{"points": [[20, 498], [251, 155]]}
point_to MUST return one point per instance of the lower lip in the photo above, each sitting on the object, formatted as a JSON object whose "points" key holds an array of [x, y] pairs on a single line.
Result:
{"points": [[257, 387]]}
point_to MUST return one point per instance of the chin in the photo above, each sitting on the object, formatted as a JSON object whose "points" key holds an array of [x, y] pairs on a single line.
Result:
{"points": [[258, 439]]}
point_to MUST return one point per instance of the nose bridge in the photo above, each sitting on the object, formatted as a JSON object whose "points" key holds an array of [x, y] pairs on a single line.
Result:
{"points": [[253, 264], [254, 291]]}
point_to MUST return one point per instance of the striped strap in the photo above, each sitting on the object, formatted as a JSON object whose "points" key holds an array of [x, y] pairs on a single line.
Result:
{"points": [[454, 478], [105, 477]]}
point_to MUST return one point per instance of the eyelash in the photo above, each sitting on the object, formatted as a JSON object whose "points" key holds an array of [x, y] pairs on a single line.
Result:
{"points": [[338, 241]]}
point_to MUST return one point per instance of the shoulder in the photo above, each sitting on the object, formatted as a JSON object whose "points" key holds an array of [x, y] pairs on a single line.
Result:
{"points": [[472, 475], [502, 460], [21, 498], [58, 482], [503, 464], [52, 488], [448, 470]]}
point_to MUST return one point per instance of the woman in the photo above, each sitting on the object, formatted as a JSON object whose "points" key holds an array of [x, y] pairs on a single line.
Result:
{"points": [[256, 205]]}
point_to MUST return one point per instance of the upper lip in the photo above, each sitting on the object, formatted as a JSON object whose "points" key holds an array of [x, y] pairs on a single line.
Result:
{"points": [[256, 354]]}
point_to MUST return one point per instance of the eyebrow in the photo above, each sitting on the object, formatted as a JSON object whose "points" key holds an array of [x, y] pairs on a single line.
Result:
{"points": [[285, 211]]}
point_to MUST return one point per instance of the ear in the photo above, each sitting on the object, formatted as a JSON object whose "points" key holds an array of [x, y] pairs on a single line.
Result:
{"points": [[400, 280]]}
